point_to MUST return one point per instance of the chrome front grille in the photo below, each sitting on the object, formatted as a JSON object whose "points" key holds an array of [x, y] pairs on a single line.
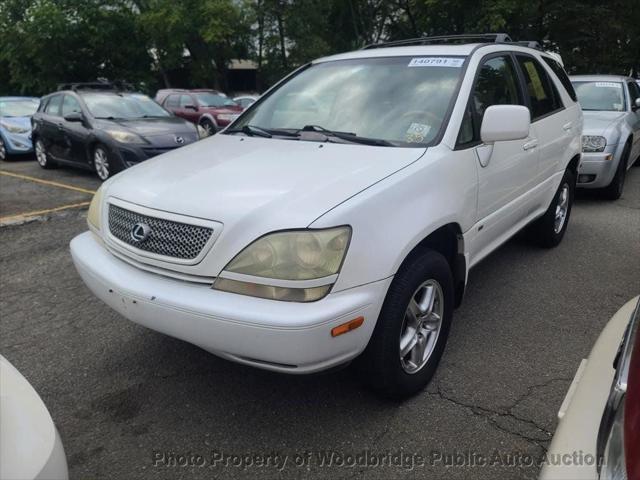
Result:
{"points": [[164, 237]]}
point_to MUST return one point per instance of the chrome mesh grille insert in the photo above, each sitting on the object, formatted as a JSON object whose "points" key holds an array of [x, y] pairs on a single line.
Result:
{"points": [[166, 237]]}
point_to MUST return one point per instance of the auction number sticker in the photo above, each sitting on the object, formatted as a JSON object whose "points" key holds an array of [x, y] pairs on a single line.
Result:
{"points": [[608, 84], [436, 62]]}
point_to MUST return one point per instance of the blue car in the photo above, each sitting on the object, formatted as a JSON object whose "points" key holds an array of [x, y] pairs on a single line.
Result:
{"points": [[15, 125]]}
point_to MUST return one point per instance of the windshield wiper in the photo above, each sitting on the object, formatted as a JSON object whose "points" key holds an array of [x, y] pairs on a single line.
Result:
{"points": [[253, 130], [347, 136]]}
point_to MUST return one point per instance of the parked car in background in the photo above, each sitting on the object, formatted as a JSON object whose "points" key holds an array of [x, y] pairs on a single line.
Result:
{"points": [[99, 127], [210, 109], [611, 135], [600, 415], [340, 216], [30, 446], [15, 125], [245, 100]]}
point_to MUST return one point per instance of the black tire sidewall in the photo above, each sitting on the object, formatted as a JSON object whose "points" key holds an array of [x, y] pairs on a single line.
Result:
{"points": [[109, 159], [381, 359], [544, 228]]}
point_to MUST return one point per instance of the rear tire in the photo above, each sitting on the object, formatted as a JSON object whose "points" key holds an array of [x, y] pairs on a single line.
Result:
{"points": [[549, 229], [417, 311], [614, 190], [42, 157]]}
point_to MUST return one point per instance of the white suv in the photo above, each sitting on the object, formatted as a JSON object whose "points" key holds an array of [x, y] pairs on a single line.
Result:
{"points": [[339, 216]]}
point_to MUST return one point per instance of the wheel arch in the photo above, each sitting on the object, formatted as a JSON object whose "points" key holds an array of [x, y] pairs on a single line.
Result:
{"points": [[448, 241]]}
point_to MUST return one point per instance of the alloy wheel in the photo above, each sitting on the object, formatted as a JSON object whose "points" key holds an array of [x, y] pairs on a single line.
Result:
{"points": [[41, 154], [101, 163], [561, 208], [3, 150], [421, 326]]}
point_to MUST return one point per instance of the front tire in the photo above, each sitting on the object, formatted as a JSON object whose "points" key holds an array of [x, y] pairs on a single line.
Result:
{"points": [[614, 190], [209, 127], [42, 156], [3, 150], [412, 329], [101, 163], [548, 231]]}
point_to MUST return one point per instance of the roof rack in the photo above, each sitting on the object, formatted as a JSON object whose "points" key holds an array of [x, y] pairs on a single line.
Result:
{"points": [[75, 86], [529, 44], [444, 39]]}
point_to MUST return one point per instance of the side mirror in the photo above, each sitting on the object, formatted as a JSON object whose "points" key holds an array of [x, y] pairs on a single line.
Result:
{"points": [[74, 117], [636, 104], [502, 123], [191, 107]]}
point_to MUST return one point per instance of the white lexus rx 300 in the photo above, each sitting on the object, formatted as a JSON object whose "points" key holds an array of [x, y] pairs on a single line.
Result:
{"points": [[338, 217]]}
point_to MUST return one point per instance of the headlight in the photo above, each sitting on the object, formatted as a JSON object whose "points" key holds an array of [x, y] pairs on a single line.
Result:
{"points": [[123, 136], [591, 143], [202, 133], [15, 128], [298, 265], [93, 216]]}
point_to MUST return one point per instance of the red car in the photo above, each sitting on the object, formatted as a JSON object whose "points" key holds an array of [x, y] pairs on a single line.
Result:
{"points": [[210, 109]]}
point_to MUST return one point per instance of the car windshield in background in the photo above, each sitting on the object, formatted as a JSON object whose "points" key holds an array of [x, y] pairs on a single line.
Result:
{"points": [[18, 108], [402, 100], [208, 99], [123, 106], [607, 96]]}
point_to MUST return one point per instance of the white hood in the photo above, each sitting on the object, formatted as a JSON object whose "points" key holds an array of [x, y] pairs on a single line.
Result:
{"points": [[277, 183]]}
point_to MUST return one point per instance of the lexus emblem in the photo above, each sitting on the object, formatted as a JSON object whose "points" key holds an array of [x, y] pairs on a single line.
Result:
{"points": [[179, 140], [140, 232]]}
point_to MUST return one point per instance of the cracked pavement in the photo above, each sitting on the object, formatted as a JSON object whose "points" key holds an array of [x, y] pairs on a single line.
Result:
{"points": [[121, 394]]}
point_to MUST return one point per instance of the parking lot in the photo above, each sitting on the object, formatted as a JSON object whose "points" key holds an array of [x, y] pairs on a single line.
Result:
{"points": [[132, 403]]}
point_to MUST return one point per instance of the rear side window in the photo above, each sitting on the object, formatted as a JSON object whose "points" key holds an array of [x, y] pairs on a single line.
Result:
{"points": [[172, 101], [562, 76], [53, 106], [542, 97], [496, 84]]}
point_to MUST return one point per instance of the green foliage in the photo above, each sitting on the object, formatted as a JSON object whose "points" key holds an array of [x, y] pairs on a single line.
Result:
{"points": [[44, 42]]}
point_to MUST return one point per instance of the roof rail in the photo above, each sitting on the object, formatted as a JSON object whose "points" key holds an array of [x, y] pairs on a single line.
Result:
{"points": [[529, 43], [75, 86], [444, 39]]}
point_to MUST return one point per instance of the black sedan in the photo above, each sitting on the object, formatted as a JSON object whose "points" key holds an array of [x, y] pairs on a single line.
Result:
{"points": [[105, 129]]}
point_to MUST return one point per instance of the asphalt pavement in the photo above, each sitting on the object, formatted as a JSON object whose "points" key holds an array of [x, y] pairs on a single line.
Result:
{"points": [[132, 403]]}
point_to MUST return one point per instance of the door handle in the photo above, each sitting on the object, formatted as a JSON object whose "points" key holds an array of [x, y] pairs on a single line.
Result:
{"points": [[533, 143], [567, 126]]}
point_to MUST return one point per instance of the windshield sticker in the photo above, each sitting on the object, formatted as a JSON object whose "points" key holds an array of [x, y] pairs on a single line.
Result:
{"points": [[608, 84], [436, 62], [417, 132]]}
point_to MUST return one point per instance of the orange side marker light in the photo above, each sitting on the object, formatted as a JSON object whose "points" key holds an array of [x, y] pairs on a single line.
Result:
{"points": [[347, 327]]}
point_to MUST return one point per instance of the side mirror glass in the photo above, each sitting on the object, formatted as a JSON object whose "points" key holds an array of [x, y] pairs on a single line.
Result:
{"points": [[636, 104], [74, 117], [502, 123]]}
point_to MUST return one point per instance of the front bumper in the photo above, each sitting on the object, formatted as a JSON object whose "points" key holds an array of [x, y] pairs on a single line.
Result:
{"points": [[17, 143], [573, 449], [282, 336], [596, 170]]}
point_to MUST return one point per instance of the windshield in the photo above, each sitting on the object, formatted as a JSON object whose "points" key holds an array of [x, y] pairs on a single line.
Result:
{"points": [[123, 106], [608, 96], [402, 100], [210, 99], [18, 108]]}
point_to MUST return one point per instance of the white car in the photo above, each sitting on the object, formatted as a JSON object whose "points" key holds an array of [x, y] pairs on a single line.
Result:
{"points": [[30, 446], [245, 101], [611, 136], [340, 216], [598, 435]]}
